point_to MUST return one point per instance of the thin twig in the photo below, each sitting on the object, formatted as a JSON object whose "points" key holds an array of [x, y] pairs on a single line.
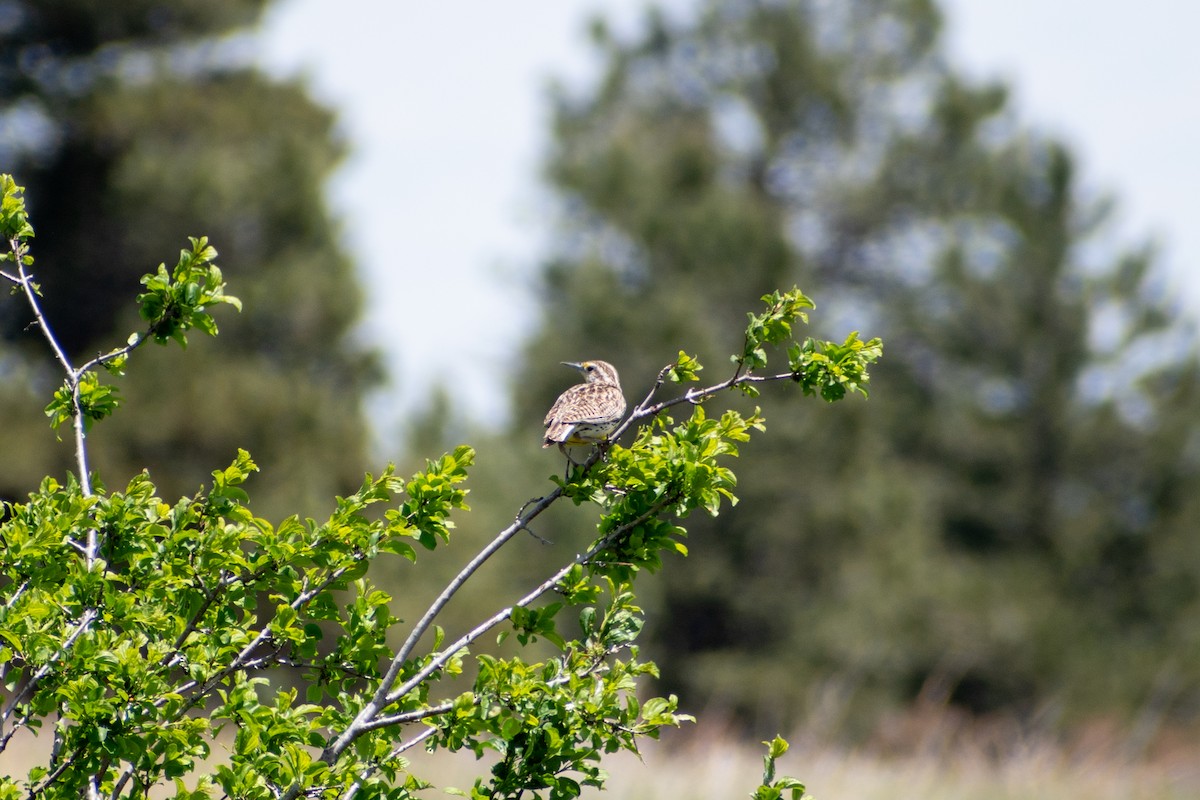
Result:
{"points": [[26, 282], [470, 636], [400, 749], [395, 753], [244, 656], [104, 358]]}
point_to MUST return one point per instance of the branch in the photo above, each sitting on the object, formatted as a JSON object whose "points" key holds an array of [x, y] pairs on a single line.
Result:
{"points": [[416, 716], [25, 280], [364, 723], [243, 658], [395, 753], [382, 696], [225, 580], [136, 341], [534, 594], [694, 396], [53, 777], [463, 576], [85, 486]]}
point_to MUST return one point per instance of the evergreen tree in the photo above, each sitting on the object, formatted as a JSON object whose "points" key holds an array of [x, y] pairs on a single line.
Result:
{"points": [[134, 126], [1014, 506]]}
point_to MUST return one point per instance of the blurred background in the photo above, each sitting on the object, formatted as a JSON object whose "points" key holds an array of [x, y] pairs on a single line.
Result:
{"points": [[426, 208]]}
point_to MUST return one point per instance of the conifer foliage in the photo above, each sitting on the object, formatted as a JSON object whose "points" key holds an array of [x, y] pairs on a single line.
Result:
{"points": [[1017, 505], [133, 125]]}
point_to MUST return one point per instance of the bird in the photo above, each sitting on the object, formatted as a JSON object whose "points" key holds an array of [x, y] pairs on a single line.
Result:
{"points": [[587, 412]]}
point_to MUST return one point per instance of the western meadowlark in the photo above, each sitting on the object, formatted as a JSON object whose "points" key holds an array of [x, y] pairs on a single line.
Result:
{"points": [[587, 412]]}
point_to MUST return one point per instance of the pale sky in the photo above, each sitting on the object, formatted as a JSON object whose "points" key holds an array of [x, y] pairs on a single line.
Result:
{"points": [[443, 107]]}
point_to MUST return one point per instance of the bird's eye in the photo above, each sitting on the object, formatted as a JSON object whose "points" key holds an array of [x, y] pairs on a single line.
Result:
{"points": [[591, 368]]}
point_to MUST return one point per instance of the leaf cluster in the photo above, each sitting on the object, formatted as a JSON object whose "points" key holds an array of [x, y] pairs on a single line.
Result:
{"points": [[177, 301], [178, 600], [551, 723], [773, 788], [821, 367], [14, 219]]}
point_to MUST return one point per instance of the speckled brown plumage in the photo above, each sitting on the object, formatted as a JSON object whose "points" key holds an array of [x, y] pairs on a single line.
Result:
{"points": [[587, 412]]}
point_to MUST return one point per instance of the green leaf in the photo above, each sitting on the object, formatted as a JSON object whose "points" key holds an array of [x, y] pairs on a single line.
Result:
{"points": [[95, 401], [830, 369], [178, 301], [14, 221], [684, 369], [776, 747]]}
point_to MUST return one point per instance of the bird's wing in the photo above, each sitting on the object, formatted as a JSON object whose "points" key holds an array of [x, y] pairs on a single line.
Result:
{"points": [[564, 400], [586, 402]]}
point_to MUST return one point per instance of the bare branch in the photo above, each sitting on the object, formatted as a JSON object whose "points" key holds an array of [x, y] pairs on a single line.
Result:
{"points": [[26, 282], [112, 355]]}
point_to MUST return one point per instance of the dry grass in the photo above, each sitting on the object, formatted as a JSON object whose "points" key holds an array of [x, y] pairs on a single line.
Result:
{"points": [[919, 757], [934, 756], [726, 772]]}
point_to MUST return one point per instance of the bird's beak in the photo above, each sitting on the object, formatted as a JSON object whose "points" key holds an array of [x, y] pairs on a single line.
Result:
{"points": [[574, 364]]}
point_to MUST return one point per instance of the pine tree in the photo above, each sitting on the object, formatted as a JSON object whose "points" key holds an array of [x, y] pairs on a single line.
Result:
{"points": [[132, 127], [1011, 507]]}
